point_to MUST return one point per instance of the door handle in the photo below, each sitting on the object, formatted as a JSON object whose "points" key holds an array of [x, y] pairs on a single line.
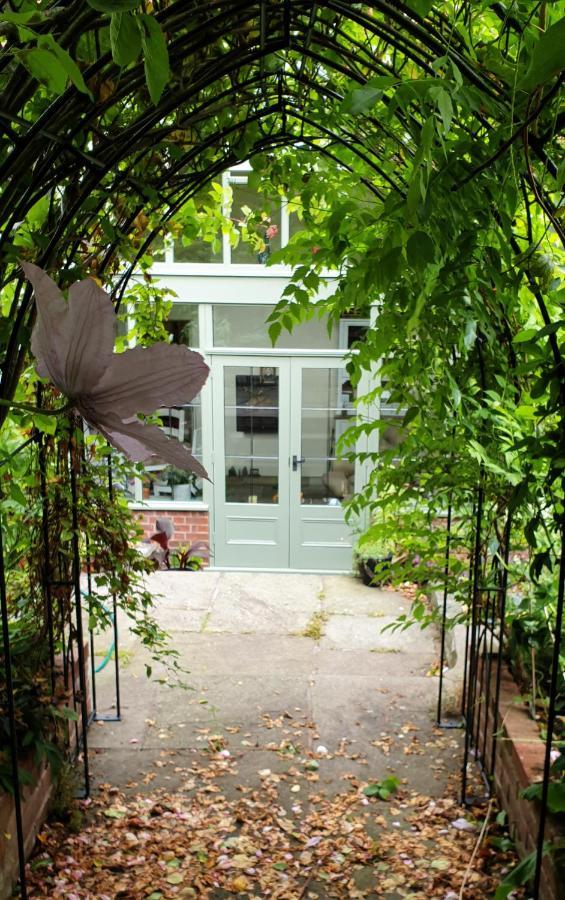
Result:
{"points": [[296, 461]]}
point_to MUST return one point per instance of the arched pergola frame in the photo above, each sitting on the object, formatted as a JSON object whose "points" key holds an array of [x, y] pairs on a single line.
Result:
{"points": [[248, 78]]}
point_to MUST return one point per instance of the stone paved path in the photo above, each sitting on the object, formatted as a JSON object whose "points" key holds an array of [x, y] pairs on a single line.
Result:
{"points": [[277, 660], [264, 779]]}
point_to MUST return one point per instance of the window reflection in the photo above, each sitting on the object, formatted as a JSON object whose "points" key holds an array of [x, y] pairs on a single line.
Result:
{"points": [[183, 324], [165, 482], [251, 425], [392, 435], [261, 218], [327, 412]]}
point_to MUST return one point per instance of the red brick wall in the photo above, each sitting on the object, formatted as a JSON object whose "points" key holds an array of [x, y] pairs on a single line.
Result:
{"points": [[189, 525], [519, 762]]}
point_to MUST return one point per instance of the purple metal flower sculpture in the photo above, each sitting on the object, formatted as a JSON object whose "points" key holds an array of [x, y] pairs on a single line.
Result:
{"points": [[73, 345]]}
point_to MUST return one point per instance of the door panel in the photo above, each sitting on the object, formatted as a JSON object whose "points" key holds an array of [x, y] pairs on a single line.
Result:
{"points": [[321, 410], [251, 434], [279, 484]]}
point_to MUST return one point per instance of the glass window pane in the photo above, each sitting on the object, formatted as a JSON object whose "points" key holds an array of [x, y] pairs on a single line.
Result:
{"points": [[326, 482], [252, 480], [165, 482], [327, 412], [264, 223], [327, 389], [251, 425], [318, 433], [355, 332], [241, 325], [183, 324], [198, 251]]}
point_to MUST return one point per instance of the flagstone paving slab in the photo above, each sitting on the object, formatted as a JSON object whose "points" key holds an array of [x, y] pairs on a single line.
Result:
{"points": [[257, 774], [252, 670]]}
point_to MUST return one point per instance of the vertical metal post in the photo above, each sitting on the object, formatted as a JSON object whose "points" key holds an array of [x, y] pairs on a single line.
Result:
{"points": [[444, 611], [115, 612], [551, 716], [46, 574], [489, 646], [502, 623], [467, 629], [12, 721], [91, 631], [472, 673], [74, 458]]}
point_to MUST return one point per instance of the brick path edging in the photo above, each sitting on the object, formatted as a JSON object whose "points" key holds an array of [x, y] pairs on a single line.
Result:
{"points": [[519, 762]]}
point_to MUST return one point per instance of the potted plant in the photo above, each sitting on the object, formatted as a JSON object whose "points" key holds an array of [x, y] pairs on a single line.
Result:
{"points": [[191, 556], [182, 483], [373, 560]]}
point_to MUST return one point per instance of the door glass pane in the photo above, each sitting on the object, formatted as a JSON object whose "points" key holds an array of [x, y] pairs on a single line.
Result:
{"points": [[251, 480], [251, 430], [327, 389], [327, 411], [392, 435]]}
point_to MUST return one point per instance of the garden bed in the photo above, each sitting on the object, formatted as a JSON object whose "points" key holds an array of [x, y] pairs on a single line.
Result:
{"points": [[36, 799], [519, 762]]}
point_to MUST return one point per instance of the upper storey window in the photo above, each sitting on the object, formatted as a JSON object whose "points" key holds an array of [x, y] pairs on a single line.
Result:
{"points": [[259, 226]]}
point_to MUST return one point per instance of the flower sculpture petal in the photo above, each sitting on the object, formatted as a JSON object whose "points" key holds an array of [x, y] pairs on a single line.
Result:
{"points": [[73, 344]]}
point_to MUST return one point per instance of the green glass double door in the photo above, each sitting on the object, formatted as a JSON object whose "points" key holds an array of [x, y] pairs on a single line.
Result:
{"points": [[279, 485]]}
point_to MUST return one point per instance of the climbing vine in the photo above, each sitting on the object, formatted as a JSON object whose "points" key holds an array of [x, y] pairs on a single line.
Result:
{"points": [[419, 143]]}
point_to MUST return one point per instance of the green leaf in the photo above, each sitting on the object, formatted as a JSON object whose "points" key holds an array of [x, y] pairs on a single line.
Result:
{"points": [[52, 66], [113, 6], [382, 789], [47, 424], [526, 335], [125, 38], [410, 415], [422, 7], [470, 335], [420, 250], [65, 712], [555, 795], [280, 866], [114, 812], [17, 494], [552, 328], [361, 100], [274, 332], [155, 56], [523, 873], [547, 57], [48, 42], [560, 177], [445, 107], [44, 66]]}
